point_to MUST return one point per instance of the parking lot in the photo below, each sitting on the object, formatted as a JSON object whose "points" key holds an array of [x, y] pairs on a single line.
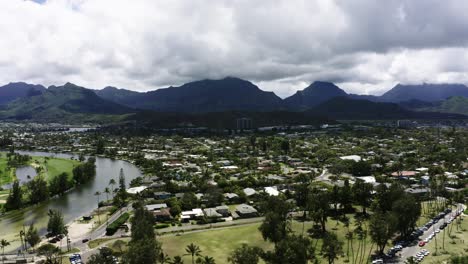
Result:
{"points": [[414, 247], [428, 232]]}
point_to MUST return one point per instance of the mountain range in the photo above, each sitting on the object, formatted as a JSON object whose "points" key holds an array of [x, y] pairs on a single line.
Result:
{"points": [[63, 103], [203, 99], [13, 91], [228, 94]]}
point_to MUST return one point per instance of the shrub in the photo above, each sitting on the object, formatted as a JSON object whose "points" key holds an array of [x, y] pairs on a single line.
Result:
{"points": [[160, 226], [114, 226]]}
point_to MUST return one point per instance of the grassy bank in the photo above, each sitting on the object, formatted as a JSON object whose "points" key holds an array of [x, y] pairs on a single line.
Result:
{"points": [[52, 167], [46, 166], [7, 175]]}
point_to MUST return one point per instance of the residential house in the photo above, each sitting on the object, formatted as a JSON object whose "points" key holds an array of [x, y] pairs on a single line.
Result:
{"points": [[246, 211]]}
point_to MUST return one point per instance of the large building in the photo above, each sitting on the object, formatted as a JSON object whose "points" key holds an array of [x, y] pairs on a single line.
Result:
{"points": [[244, 123]]}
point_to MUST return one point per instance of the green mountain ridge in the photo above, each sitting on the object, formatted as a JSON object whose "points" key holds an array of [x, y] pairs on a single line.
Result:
{"points": [[68, 102], [453, 105]]}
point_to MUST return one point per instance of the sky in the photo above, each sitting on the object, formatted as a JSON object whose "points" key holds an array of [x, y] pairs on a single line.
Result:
{"points": [[364, 46]]}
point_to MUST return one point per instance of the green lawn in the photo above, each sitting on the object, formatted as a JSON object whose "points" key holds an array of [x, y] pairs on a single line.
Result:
{"points": [[52, 167], [3, 196], [217, 243], [6, 175]]}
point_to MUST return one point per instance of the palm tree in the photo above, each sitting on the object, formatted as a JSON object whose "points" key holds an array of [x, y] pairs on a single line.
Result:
{"points": [[177, 260], [3, 244], [163, 258], [22, 234], [193, 250], [112, 183], [98, 194], [206, 260], [107, 191]]}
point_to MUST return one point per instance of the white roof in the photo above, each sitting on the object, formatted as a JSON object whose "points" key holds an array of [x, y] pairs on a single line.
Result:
{"points": [[422, 169], [152, 207], [195, 211], [351, 157], [272, 191], [249, 191], [230, 167], [136, 190], [367, 179]]}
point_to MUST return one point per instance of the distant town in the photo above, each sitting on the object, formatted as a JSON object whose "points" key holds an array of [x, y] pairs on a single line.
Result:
{"points": [[387, 192]]}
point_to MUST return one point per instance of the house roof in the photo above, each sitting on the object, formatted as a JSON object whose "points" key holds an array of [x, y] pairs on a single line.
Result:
{"points": [[195, 212], [351, 157], [249, 191], [404, 173], [152, 207], [136, 190], [231, 195], [211, 212], [367, 179], [417, 190], [162, 212], [245, 209], [272, 191]]}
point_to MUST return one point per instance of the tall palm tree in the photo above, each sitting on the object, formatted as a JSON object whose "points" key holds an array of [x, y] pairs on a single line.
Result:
{"points": [[22, 235], [112, 183], [107, 191], [98, 194], [206, 260], [163, 258], [3, 244], [177, 260], [193, 250]]}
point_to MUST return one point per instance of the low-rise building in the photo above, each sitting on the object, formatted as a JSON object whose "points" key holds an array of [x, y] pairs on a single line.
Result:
{"points": [[246, 211]]}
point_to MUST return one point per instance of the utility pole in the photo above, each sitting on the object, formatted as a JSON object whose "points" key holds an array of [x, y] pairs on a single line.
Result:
{"points": [[435, 238]]}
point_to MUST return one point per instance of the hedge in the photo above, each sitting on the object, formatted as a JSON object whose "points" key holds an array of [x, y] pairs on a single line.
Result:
{"points": [[114, 226], [160, 226]]}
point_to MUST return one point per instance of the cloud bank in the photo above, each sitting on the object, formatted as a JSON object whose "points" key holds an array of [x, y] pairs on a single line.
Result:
{"points": [[364, 46]]}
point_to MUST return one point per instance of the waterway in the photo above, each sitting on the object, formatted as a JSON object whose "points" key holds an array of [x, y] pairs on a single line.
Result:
{"points": [[23, 174], [75, 203]]}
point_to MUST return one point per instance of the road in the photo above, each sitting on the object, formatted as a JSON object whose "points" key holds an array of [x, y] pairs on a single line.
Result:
{"points": [[323, 176], [99, 232], [414, 249]]}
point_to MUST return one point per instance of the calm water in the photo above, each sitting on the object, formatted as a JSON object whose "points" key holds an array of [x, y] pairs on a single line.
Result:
{"points": [[24, 174], [73, 204]]}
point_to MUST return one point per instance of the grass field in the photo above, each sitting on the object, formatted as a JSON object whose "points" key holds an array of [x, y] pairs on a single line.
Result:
{"points": [[4, 195], [218, 243], [215, 243], [52, 167], [6, 175]]}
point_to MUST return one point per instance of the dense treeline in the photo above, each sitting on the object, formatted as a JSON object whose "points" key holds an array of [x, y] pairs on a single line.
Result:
{"points": [[84, 172], [15, 160]]}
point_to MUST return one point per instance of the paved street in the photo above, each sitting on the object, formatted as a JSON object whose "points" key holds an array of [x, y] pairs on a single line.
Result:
{"points": [[414, 249]]}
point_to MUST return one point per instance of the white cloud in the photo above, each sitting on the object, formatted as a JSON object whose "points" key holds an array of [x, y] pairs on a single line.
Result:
{"points": [[364, 46]]}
